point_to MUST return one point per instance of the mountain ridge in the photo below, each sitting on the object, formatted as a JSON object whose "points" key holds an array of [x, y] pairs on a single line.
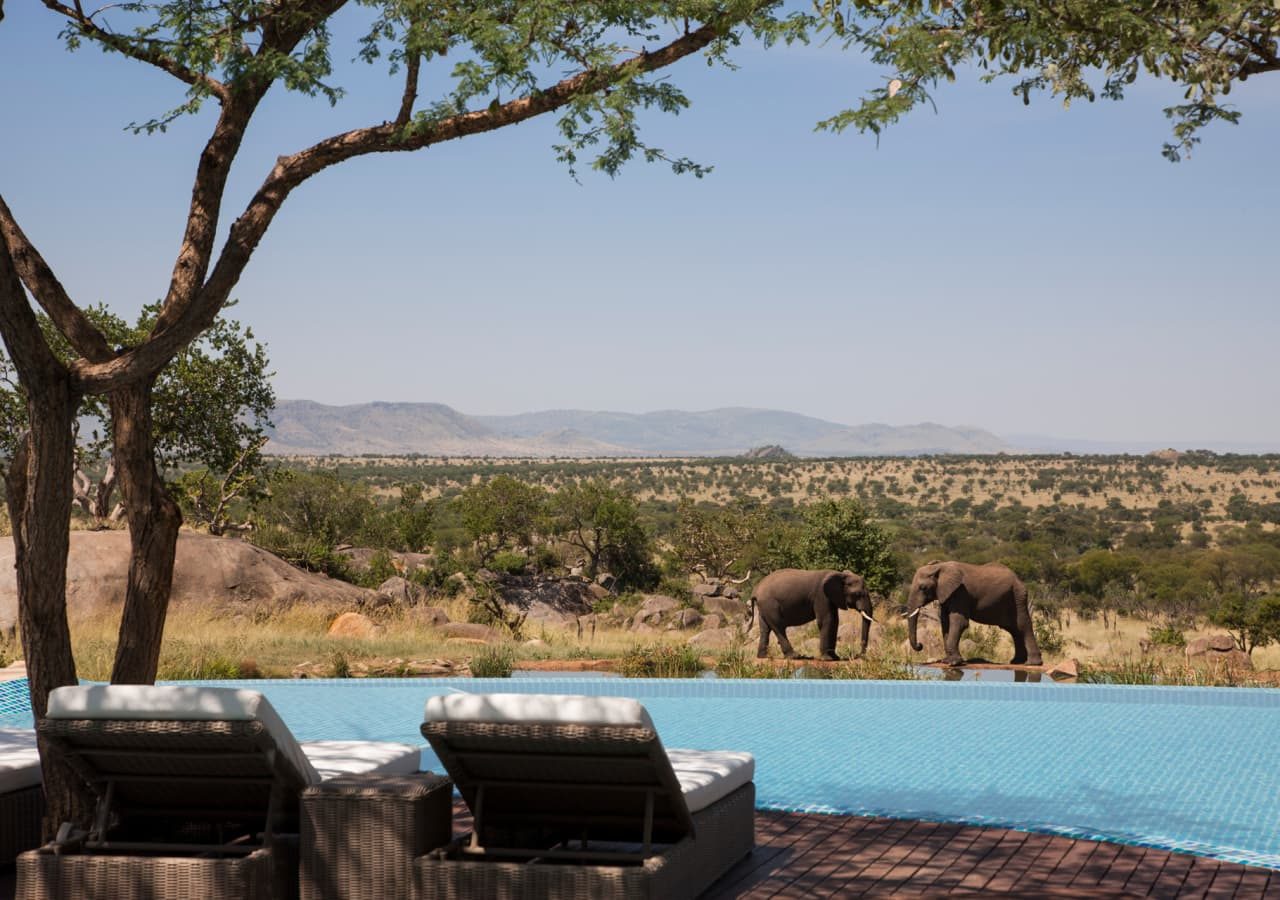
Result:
{"points": [[309, 428]]}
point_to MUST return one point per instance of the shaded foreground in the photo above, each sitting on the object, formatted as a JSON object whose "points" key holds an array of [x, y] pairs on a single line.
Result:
{"points": [[801, 855]]}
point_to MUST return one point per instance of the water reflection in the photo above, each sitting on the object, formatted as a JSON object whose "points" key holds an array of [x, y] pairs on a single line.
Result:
{"points": [[964, 673]]}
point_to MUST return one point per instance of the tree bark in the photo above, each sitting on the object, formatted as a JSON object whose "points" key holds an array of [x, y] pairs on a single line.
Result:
{"points": [[39, 486], [154, 519]]}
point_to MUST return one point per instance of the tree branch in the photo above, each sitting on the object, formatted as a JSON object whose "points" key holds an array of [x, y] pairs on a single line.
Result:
{"points": [[84, 22], [410, 90], [183, 321], [36, 364], [192, 264], [35, 273]]}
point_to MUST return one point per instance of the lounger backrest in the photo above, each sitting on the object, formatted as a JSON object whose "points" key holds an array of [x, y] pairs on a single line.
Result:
{"points": [[543, 758], [177, 747]]}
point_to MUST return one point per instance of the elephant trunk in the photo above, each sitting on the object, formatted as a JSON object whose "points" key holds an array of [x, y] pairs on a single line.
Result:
{"points": [[866, 634], [912, 622]]}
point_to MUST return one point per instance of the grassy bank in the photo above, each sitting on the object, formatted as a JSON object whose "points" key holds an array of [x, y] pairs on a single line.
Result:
{"points": [[199, 647]]}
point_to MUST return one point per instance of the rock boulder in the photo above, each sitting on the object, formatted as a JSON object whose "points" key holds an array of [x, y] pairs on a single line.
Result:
{"points": [[227, 575], [714, 638], [353, 625]]}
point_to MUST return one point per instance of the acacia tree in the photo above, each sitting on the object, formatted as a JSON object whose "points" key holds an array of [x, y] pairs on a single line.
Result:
{"points": [[211, 406], [603, 522], [1073, 49], [230, 54], [499, 513]]}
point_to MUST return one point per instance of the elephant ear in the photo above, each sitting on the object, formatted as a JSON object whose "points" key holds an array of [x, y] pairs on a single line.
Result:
{"points": [[833, 588], [950, 577]]}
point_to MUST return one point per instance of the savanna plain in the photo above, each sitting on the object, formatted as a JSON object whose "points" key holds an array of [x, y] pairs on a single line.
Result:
{"points": [[644, 566]]}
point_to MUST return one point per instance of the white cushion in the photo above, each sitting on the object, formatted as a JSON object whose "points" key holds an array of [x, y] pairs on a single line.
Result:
{"points": [[706, 776], [334, 758], [181, 704], [563, 709], [19, 760]]}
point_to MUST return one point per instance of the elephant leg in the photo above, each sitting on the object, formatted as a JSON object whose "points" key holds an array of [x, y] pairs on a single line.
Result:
{"points": [[762, 648], [787, 650], [952, 631], [1025, 648], [1019, 646], [827, 638]]}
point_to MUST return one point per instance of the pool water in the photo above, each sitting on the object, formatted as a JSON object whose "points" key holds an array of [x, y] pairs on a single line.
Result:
{"points": [[1191, 769]]}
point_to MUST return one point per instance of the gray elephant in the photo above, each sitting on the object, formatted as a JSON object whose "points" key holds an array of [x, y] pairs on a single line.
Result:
{"points": [[990, 594], [796, 596]]}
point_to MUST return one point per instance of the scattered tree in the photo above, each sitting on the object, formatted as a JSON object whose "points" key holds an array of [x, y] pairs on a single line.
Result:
{"points": [[604, 523], [500, 513]]}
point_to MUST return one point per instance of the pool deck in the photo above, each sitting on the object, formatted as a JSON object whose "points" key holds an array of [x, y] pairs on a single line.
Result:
{"points": [[801, 855]]}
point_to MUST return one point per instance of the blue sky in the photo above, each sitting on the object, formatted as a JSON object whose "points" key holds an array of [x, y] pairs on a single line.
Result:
{"points": [[1023, 269]]}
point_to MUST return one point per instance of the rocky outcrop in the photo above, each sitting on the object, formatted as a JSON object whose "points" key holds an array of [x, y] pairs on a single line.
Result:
{"points": [[353, 625], [655, 611], [402, 592], [361, 558], [470, 631], [224, 574], [731, 608], [545, 601], [1220, 650], [714, 638], [430, 616]]}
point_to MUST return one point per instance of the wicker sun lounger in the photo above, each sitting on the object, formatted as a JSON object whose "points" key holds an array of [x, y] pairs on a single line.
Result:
{"points": [[197, 794], [21, 797], [576, 797]]}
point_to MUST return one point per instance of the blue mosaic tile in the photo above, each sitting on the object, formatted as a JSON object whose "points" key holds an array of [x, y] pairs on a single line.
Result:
{"points": [[1188, 769]]}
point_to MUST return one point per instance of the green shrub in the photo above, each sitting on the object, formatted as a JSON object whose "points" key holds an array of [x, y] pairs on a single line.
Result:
{"points": [[674, 586], [660, 661], [986, 641], [509, 563], [1049, 637], [1167, 635], [493, 662]]}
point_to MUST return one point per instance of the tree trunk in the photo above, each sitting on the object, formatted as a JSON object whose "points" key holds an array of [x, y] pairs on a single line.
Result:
{"points": [[154, 519], [40, 490], [102, 499]]}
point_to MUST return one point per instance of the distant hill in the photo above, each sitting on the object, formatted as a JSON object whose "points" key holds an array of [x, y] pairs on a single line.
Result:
{"points": [[303, 427]]}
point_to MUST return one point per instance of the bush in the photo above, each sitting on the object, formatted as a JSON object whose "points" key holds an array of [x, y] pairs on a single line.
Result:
{"points": [[1049, 636], [493, 662], [509, 563], [379, 570], [1167, 635], [660, 661]]}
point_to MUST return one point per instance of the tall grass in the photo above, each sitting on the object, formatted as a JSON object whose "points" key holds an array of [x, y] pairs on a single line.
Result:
{"points": [[661, 661], [1166, 671], [493, 662]]}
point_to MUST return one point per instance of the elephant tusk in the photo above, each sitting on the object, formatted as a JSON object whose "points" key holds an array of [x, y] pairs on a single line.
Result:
{"points": [[914, 612], [867, 617]]}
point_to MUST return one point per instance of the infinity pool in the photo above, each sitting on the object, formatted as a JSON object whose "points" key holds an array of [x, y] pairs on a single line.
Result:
{"points": [[1191, 769]]}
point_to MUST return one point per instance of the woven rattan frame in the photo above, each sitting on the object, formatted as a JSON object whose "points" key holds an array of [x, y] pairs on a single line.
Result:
{"points": [[725, 833], [597, 772], [42, 876], [361, 833], [21, 812], [225, 769]]}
